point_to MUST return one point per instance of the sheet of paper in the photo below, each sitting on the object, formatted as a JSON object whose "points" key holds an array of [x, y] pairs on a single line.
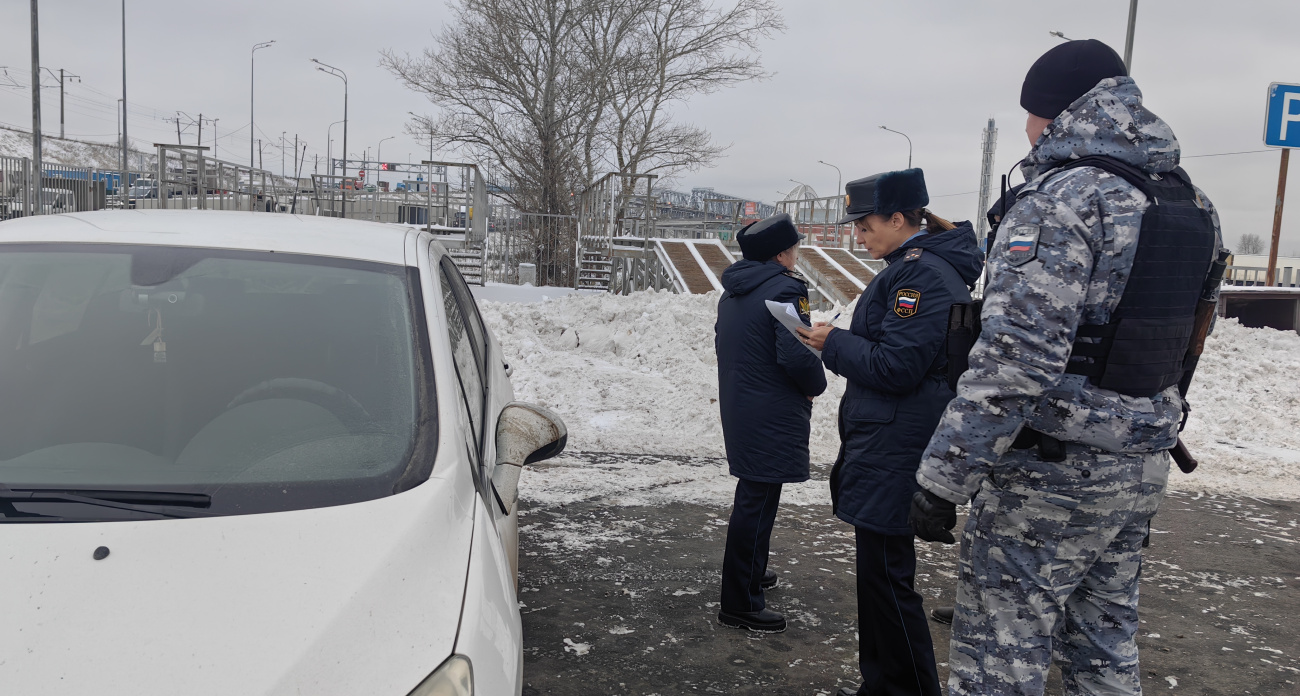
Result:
{"points": [[789, 318]]}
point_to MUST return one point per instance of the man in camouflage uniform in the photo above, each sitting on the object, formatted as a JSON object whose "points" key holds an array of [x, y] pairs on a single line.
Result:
{"points": [[1051, 553]]}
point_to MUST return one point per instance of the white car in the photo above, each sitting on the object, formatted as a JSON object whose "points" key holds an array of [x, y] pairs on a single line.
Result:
{"points": [[253, 454]]}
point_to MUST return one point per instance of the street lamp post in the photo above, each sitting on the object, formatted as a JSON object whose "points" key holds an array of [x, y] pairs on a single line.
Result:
{"points": [[909, 144], [839, 178], [379, 157], [252, 132], [329, 146], [331, 70], [1128, 41]]}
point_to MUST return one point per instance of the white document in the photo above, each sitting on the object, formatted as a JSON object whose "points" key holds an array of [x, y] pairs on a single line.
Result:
{"points": [[790, 319]]}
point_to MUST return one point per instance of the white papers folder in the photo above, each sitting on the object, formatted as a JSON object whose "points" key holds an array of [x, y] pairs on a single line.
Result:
{"points": [[789, 318]]}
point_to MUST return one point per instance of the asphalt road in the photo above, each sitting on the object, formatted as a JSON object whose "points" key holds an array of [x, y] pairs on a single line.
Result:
{"points": [[625, 601]]}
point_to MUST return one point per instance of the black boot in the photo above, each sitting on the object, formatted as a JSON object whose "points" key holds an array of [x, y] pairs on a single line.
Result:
{"points": [[765, 621], [942, 615], [769, 580]]}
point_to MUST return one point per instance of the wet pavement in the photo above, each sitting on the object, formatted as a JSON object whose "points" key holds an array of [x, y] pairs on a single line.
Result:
{"points": [[624, 600]]}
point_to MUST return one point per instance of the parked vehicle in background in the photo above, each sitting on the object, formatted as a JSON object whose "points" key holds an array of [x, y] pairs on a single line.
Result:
{"points": [[143, 188], [255, 455], [57, 201]]}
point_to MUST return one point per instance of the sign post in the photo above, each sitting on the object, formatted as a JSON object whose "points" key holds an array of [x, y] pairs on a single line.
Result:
{"points": [[1281, 130]]}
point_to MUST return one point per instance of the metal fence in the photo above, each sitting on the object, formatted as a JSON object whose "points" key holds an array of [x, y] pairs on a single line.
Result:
{"points": [[816, 218], [62, 189], [1284, 276], [549, 242]]}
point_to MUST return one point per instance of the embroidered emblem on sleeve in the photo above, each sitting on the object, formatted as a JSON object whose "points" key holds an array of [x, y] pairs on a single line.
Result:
{"points": [[803, 305], [907, 302], [1022, 244]]}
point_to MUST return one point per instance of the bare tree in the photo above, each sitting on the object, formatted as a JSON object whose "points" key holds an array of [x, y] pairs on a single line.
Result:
{"points": [[652, 55], [511, 94], [546, 94], [1250, 244]]}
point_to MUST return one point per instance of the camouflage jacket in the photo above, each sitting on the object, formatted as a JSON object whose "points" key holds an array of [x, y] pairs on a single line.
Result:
{"points": [[1062, 260]]}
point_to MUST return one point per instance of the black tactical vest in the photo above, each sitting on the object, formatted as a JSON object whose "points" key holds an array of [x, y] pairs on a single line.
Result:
{"points": [[1141, 351]]}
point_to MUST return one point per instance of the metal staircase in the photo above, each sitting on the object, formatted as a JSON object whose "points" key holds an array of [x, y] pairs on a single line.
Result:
{"points": [[469, 260], [594, 270]]}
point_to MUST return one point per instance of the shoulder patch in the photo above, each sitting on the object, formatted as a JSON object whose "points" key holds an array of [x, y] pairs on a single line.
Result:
{"points": [[796, 275], [1022, 244], [803, 305], [906, 302], [913, 254]]}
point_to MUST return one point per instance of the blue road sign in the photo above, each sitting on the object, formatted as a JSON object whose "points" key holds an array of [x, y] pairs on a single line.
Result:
{"points": [[1282, 116]]}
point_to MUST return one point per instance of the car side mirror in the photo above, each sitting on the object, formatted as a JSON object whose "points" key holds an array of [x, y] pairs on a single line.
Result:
{"points": [[526, 433]]}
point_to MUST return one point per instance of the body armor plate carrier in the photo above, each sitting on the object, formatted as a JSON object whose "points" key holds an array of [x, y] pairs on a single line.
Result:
{"points": [[1141, 351]]}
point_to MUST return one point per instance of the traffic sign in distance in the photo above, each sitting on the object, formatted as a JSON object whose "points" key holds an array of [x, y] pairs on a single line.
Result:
{"points": [[1282, 116]]}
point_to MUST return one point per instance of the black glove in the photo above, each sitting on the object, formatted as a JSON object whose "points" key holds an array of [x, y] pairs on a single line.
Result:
{"points": [[932, 517]]}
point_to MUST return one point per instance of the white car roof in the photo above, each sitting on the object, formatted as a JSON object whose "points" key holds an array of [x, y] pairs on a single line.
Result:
{"points": [[212, 229]]}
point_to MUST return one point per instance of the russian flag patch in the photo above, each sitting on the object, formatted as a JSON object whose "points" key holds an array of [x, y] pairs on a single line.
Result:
{"points": [[1022, 244], [906, 303]]}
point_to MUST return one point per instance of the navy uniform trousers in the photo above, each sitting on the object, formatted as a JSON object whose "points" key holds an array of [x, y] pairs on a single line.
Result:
{"points": [[749, 535], [894, 648]]}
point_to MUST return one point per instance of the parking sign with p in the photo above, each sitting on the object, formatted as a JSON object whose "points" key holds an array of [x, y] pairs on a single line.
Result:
{"points": [[1282, 121]]}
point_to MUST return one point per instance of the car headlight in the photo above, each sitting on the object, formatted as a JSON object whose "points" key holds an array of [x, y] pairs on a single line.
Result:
{"points": [[455, 677]]}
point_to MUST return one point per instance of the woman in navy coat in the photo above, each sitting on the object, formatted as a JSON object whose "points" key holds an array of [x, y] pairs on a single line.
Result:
{"points": [[894, 360]]}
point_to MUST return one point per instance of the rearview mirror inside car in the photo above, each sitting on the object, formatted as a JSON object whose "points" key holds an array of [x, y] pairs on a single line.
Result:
{"points": [[526, 433]]}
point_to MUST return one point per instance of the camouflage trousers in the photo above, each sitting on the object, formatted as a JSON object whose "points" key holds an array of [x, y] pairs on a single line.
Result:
{"points": [[1050, 559]]}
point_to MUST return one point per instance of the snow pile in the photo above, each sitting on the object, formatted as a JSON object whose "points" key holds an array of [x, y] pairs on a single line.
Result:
{"points": [[632, 374], [637, 375], [1245, 422]]}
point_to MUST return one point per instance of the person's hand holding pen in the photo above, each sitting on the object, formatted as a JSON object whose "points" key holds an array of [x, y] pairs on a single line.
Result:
{"points": [[815, 337]]}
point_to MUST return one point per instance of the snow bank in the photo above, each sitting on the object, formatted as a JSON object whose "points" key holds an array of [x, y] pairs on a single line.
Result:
{"points": [[637, 375]]}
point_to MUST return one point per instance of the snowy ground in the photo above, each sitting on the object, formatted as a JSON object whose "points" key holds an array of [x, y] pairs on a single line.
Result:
{"points": [[67, 152], [637, 375]]}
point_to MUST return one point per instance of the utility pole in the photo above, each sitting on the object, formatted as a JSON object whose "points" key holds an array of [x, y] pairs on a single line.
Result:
{"points": [[126, 144], [1128, 42], [259, 153], [200, 122], [37, 168], [282, 154], [63, 75], [988, 147]]}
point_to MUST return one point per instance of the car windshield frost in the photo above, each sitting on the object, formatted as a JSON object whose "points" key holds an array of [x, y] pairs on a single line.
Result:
{"points": [[256, 380]]}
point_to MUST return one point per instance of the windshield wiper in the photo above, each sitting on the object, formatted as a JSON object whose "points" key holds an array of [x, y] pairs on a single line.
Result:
{"points": [[161, 503]]}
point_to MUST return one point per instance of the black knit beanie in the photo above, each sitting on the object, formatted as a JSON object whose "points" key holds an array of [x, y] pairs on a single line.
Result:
{"points": [[1066, 73]]}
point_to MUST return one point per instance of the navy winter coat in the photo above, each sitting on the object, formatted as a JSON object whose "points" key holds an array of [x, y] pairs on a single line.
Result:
{"points": [[765, 375], [894, 360]]}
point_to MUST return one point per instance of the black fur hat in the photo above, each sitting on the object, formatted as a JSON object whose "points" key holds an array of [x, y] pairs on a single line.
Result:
{"points": [[885, 194], [760, 241]]}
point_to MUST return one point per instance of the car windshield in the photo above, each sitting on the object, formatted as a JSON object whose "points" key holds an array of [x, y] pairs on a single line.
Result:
{"points": [[264, 381]]}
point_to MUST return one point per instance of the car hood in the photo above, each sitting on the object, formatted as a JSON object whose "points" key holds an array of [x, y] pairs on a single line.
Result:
{"points": [[361, 598]]}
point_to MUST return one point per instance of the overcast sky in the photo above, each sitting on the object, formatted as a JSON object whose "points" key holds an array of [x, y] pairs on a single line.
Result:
{"points": [[937, 70]]}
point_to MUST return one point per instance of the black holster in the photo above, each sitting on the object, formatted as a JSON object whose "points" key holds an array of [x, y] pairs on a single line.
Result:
{"points": [[1050, 449]]}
